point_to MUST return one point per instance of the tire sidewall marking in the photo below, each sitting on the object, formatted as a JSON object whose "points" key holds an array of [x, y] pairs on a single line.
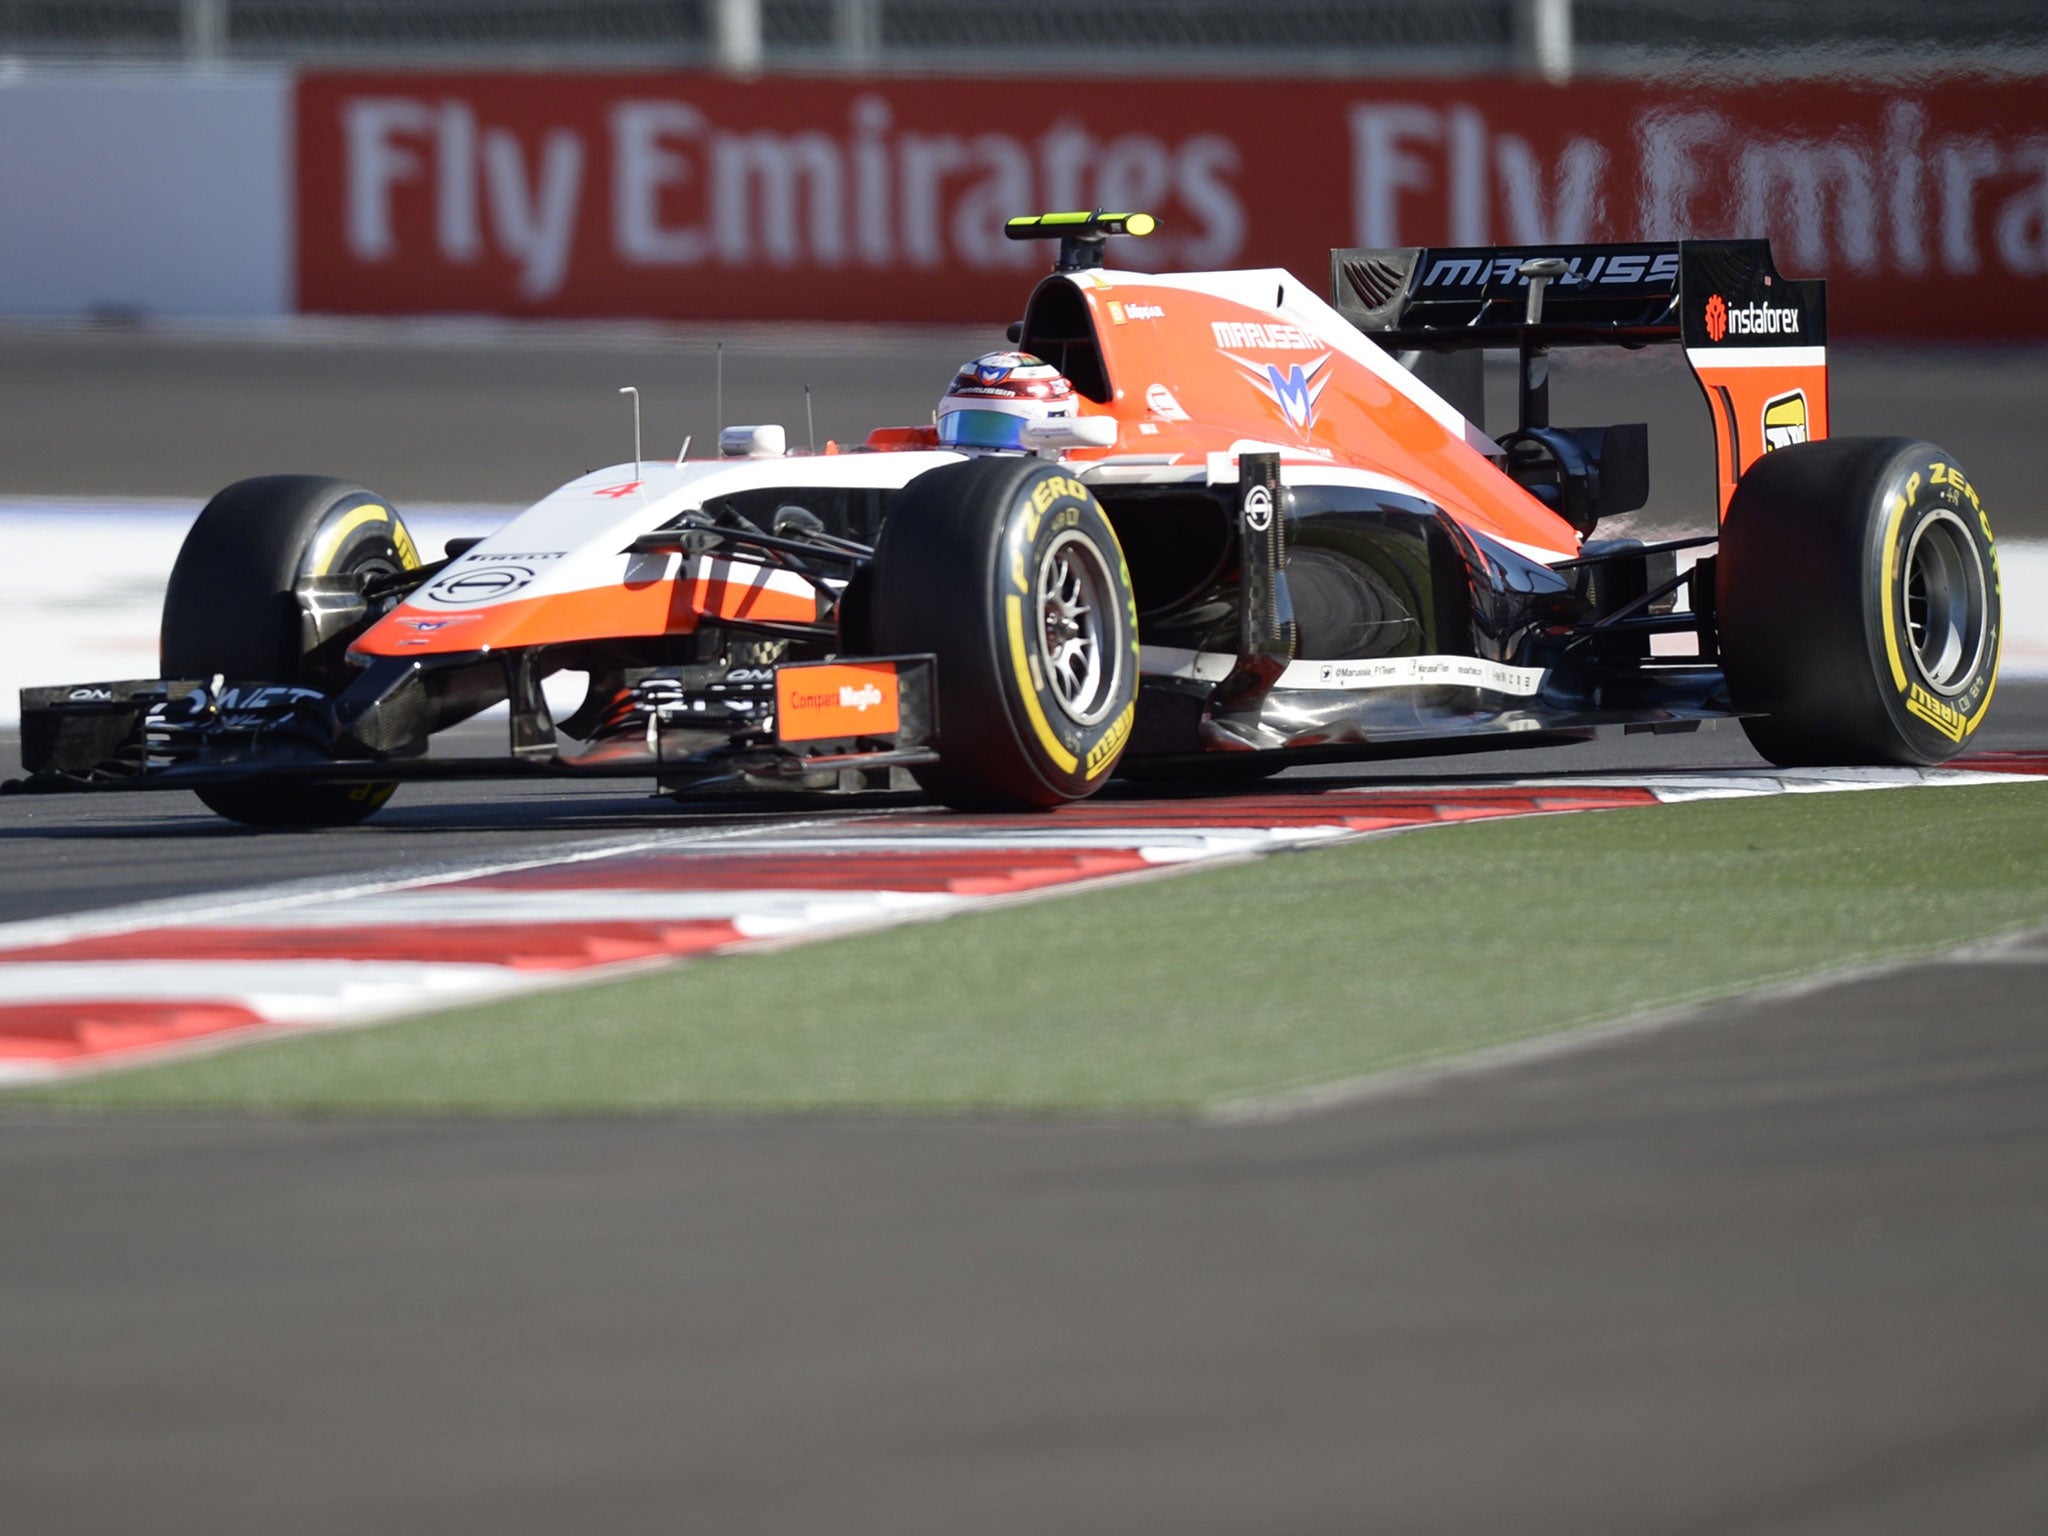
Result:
{"points": [[345, 526], [1918, 491], [1047, 507]]}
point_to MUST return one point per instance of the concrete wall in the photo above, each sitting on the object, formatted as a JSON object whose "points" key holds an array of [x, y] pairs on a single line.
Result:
{"points": [[166, 193]]}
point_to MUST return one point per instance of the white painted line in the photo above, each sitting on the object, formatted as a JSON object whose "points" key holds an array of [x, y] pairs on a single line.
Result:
{"points": [[1678, 789], [435, 906], [231, 907], [1156, 845], [283, 991], [1427, 1076], [1756, 357]]}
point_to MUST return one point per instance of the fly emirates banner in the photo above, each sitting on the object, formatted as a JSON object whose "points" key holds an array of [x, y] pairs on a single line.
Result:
{"points": [[803, 198]]}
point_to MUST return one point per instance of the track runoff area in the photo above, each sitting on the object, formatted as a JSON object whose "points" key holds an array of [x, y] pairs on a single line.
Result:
{"points": [[129, 987], [486, 945]]}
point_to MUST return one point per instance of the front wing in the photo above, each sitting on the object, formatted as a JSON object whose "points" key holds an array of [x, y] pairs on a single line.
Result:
{"points": [[830, 725]]}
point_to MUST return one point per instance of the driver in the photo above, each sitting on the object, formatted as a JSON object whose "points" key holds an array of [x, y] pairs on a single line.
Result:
{"points": [[992, 397]]}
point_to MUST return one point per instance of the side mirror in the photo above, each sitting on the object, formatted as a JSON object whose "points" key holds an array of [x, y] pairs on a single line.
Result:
{"points": [[794, 522]]}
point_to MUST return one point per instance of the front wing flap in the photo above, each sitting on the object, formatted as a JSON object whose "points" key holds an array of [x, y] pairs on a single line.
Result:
{"points": [[173, 733]]}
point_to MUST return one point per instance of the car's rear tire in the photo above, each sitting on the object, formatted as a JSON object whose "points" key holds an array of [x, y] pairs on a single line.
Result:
{"points": [[230, 610], [1858, 603], [1007, 570]]}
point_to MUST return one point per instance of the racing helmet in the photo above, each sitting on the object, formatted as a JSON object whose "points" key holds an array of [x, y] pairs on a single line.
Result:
{"points": [[992, 398]]}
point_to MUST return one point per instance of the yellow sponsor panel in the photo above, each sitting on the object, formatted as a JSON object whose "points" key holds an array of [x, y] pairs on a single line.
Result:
{"points": [[1785, 421]]}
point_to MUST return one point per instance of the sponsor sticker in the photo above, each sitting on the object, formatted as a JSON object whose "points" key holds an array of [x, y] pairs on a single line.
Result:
{"points": [[1294, 390], [835, 700], [1416, 671], [1160, 401], [1253, 335], [479, 584], [1785, 420], [261, 697], [1384, 672], [1717, 317], [247, 705], [1621, 268], [1258, 508], [1945, 718], [1724, 319]]}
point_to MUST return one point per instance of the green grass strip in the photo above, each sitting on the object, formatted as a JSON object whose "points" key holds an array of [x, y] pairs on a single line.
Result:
{"points": [[1300, 968]]}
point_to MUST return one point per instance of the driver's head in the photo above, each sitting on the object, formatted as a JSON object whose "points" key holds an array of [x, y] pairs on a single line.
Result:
{"points": [[992, 397]]}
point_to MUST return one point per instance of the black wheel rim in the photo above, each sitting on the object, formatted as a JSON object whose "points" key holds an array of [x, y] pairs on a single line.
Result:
{"points": [[1077, 626]]}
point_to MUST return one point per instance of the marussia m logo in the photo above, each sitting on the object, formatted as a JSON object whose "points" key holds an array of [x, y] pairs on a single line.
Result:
{"points": [[1296, 391]]}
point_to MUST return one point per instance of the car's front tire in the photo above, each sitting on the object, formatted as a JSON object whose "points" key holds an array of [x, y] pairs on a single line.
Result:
{"points": [[230, 610], [1008, 571]]}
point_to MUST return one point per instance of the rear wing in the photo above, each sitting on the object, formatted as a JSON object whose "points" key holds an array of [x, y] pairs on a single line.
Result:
{"points": [[1755, 340]]}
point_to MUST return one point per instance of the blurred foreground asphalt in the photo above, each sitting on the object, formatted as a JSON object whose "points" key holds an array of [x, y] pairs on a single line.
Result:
{"points": [[1777, 1270]]}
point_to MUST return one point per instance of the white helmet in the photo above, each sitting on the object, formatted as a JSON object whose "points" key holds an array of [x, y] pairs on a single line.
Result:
{"points": [[992, 397]]}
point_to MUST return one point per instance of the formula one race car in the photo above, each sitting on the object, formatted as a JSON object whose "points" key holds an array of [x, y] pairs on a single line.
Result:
{"points": [[1203, 525]]}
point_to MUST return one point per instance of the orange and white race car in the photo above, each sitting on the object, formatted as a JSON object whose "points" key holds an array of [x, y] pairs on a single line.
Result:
{"points": [[1203, 524]]}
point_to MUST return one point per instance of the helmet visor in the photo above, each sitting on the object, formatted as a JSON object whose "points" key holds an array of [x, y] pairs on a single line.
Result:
{"points": [[981, 429]]}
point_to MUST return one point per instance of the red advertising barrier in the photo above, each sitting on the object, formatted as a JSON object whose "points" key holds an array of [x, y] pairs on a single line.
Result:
{"points": [[696, 197]]}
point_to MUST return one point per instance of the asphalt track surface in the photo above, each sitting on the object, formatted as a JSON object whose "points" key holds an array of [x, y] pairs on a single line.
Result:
{"points": [[1778, 1267]]}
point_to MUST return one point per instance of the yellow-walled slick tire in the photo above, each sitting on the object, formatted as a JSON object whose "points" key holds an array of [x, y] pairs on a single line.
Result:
{"points": [[230, 610], [1007, 570], [1858, 603]]}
